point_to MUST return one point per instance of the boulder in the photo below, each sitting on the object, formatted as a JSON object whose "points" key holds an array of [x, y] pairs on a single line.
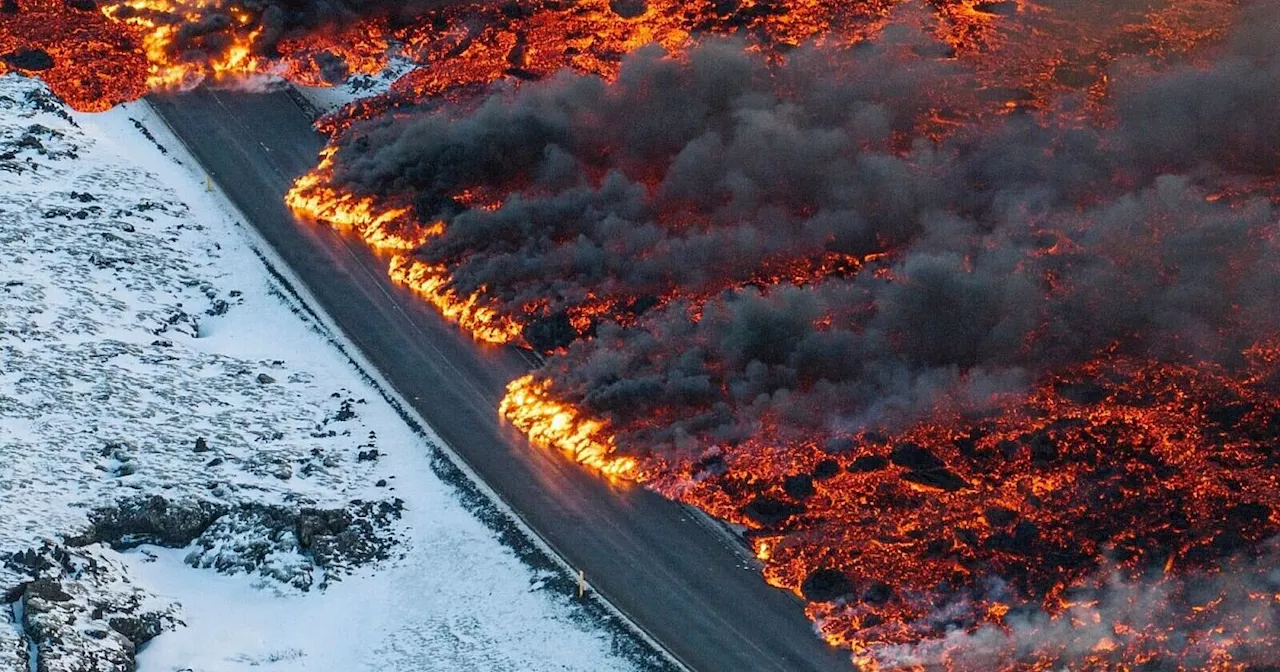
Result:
{"points": [[798, 486], [31, 60], [867, 464], [149, 520], [999, 516], [914, 457], [769, 511], [825, 469], [941, 479], [826, 585]]}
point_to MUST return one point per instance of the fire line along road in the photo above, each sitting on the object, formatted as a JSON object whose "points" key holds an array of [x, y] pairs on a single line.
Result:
{"points": [[684, 584]]}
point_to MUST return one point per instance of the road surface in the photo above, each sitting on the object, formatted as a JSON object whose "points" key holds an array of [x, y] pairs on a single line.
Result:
{"points": [[688, 587]]}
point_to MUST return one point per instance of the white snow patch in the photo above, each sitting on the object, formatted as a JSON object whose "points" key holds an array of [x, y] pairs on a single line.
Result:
{"points": [[136, 319], [327, 99]]}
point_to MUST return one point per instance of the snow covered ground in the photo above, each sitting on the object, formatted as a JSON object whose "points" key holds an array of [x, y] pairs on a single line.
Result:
{"points": [[185, 454], [326, 99]]}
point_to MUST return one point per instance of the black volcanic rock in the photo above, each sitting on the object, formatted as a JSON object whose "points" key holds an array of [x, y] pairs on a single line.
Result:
{"points": [[1227, 415], [80, 612], [878, 592], [1084, 393], [628, 9], [149, 520], [999, 516], [867, 464], [942, 479], [1024, 538], [915, 458], [1043, 448], [1250, 519], [29, 59], [825, 469], [769, 511], [798, 486], [825, 585]]}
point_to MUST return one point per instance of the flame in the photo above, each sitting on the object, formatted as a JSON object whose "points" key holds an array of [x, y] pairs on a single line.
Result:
{"points": [[393, 232], [378, 225], [469, 311], [530, 407], [158, 39]]}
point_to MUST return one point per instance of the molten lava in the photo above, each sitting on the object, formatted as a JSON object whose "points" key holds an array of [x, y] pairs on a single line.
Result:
{"points": [[382, 227], [391, 232], [468, 311], [1118, 473], [89, 61], [1033, 526], [97, 54], [549, 423]]}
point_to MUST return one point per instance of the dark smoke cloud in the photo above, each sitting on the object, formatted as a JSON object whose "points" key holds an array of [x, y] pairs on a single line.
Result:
{"points": [[964, 314], [1224, 116], [1026, 246], [688, 176]]}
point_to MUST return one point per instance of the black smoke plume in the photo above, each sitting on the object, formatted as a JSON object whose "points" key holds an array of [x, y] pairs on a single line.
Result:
{"points": [[677, 178], [1015, 249]]}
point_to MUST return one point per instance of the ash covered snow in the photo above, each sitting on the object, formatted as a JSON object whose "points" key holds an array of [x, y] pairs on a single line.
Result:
{"points": [[189, 462]]}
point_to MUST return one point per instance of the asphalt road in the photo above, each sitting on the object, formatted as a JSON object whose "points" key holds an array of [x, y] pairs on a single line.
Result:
{"points": [[688, 587]]}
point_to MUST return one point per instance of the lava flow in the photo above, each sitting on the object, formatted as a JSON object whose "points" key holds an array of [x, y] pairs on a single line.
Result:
{"points": [[95, 54], [549, 423], [974, 334]]}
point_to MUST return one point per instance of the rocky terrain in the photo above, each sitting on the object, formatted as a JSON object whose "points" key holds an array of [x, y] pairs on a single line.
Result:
{"points": [[158, 390]]}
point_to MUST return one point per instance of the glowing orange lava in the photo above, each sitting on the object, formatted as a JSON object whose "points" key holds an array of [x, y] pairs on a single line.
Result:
{"points": [[95, 55], [468, 312], [1110, 476], [392, 232], [529, 407]]}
